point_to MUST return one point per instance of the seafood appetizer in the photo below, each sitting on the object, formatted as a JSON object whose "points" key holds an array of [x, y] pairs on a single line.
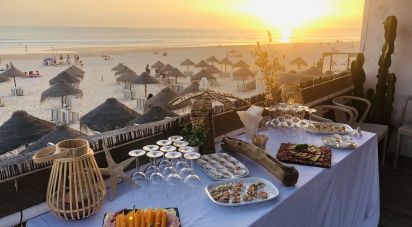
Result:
{"points": [[221, 166]]}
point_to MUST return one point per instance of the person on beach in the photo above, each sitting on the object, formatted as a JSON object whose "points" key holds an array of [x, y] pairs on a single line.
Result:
{"points": [[149, 96], [37, 73], [147, 69], [68, 59]]}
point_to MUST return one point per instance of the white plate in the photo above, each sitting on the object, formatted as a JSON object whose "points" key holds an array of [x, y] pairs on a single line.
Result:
{"points": [[343, 144], [271, 189], [215, 165], [347, 129]]}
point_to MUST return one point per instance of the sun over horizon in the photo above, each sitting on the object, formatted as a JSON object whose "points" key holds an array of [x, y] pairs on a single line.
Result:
{"points": [[281, 16]]}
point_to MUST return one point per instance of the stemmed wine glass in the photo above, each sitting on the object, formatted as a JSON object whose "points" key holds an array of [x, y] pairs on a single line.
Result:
{"points": [[192, 181], [156, 179], [181, 163], [138, 177], [164, 162], [152, 166], [186, 170], [173, 179]]}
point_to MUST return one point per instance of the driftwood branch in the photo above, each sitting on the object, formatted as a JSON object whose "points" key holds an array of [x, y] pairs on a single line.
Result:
{"points": [[287, 174]]}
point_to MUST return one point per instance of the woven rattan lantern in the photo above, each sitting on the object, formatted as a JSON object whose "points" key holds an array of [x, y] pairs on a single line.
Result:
{"points": [[76, 188]]}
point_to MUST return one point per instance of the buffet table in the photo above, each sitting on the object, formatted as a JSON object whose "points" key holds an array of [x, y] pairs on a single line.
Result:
{"points": [[347, 194]]}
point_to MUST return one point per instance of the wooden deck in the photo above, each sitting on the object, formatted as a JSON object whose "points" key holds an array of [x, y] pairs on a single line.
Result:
{"points": [[396, 193]]}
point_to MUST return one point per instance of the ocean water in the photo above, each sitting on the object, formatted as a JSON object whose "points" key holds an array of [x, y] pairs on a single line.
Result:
{"points": [[47, 39]]}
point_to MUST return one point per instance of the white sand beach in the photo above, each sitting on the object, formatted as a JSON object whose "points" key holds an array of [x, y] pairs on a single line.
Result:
{"points": [[99, 81]]}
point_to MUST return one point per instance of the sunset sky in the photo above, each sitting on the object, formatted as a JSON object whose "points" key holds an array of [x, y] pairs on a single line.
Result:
{"points": [[284, 15]]}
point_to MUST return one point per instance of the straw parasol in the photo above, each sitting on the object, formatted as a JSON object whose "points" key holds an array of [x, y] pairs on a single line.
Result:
{"points": [[123, 70], [212, 59], [166, 68], [158, 65], [75, 71], [202, 64], [212, 69], [3, 79], [175, 73], [243, 74], [118, 67], [226, 61], [13, 72], [241, 64], [187, 63], [156, 113], [161, 99], [298, 61], [203, 73], [145, 79], [22, 129], [108, 116], [194, 87], [60, 89], [59, 133], [66, 77]]}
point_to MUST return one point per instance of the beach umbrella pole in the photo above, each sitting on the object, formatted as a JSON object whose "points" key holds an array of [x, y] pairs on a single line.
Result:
{"points": [[145, 90], [62, 101], [14, 79]]}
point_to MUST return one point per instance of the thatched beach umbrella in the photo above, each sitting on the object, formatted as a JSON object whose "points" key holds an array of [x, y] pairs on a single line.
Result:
{"points": [[59, 133], [127, 77], [145, 79], [22, 129], [226, 61], [194, 87], [157, 65], [75, 71], [108, 116], [161, 99], [202, 64], [124, 70], [66, 77], [187, 63], [203, 73], [118, 67], [176, 73], [156, 113], [243, 74], [212, 69], [13, 72], [3, 79], [298, 61], [241, 64], [212, 59], [165, 70], [60, 89]]}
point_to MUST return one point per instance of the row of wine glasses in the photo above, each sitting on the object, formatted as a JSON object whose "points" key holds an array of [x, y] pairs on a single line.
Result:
{"points": [[170, 168]]}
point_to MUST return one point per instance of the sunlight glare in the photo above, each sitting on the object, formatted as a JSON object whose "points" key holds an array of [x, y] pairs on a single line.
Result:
{"points": [[285, 36], [283, 14]]}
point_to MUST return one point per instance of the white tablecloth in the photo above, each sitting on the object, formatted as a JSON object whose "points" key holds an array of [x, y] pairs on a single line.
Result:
{"points": [[347, 194]]}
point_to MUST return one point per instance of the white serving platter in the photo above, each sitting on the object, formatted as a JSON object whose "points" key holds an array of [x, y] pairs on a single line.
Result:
{"points": [[271, 189]]}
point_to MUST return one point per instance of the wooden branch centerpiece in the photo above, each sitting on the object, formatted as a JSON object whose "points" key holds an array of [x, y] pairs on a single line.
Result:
{"points": [[287, 174]]}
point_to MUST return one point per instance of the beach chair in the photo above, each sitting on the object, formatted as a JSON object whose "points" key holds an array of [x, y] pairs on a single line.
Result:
{"points": [[140, 103]]}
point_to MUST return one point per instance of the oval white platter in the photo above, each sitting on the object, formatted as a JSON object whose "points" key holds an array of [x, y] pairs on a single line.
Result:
{"points": [[344, 144], [209, 165], [271, 189], [348, 129]]}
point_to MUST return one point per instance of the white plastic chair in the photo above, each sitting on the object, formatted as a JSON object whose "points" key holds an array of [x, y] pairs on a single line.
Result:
{"points": [[404, 130], [381, 131], [342, 115]]}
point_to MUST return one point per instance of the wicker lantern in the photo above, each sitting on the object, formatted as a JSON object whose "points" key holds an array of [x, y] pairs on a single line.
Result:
{"points": [[76, 188]]}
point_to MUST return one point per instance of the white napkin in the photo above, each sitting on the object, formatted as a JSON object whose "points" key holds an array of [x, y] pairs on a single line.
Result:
{"points": [[250, 119]]}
